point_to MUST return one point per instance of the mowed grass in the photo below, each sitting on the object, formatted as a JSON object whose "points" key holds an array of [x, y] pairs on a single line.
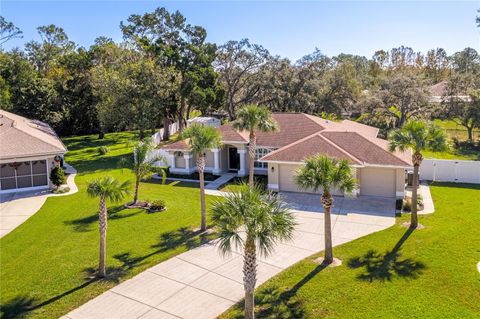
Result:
{"points": [[47, 262], [455, 131], [395, 273]]}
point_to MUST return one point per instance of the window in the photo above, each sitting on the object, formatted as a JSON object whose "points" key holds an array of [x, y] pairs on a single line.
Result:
{"points": [[261, 152]]}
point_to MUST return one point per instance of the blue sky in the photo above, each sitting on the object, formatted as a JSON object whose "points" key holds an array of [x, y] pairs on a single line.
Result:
{"points": [[289, 29]]}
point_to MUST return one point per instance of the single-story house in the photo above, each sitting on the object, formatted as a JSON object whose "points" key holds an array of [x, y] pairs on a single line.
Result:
{"points": [[379, 172], [28, 151]]}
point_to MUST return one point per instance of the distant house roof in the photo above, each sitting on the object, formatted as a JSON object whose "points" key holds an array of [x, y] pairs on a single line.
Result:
{"points": [[22, 137], [439, 91], [302, 135]]}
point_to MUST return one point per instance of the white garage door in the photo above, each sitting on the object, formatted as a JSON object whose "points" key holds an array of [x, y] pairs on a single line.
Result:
{"points": [[377, 182], [287, 181]]}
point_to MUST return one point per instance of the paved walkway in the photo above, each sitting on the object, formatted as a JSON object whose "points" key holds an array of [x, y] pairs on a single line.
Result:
{"points": [[223, 179], [16, 208], [424, 190], [201, 284]]}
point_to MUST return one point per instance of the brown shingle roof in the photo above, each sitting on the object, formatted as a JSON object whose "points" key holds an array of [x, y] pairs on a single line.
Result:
{"points": [[301, 135], [292, 127], [309, 146], [364, 149], [21, 137], [229, 134], [177, 146]]}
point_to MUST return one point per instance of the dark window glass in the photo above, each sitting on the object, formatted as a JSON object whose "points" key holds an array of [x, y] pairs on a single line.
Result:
{"points": [[8, 183], [23, 169], [7, 170], [39, 167], [25, 181], [39, 180]]}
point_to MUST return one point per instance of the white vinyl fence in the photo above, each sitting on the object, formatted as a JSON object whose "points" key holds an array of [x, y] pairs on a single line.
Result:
{"points": [[157, 137], [450, 171], [156, 153]]}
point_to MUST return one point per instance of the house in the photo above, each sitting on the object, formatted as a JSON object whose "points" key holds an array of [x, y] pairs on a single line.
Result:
{"points": [[279, 154], [28, 151], [439, 93]]}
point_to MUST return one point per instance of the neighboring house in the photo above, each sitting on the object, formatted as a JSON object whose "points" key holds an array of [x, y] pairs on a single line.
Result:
{"points": [[28, 151], [439, 94], [279, 154]]}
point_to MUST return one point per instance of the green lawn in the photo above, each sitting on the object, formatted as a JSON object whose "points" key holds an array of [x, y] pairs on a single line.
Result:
{"points": [[234, 185], [395, 273], [46, 263], [459, 132]]}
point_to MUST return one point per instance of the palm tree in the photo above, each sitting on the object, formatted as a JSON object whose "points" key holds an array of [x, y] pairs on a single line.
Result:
{"points": [[418, 136], [143, 164], [321, 173], [253, 118], [107, 188], [200, 139], [263, 218]]}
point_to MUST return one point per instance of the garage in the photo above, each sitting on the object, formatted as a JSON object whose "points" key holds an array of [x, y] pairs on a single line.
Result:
{"points": [[377, 182], [17, 175], [286, 182]]}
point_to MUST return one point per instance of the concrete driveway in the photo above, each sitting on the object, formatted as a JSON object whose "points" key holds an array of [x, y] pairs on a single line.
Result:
{"points": [[201, 284], [17, 207], [367, 205]]}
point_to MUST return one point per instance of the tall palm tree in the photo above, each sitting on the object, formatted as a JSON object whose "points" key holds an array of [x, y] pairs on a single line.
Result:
{"points": [[417, 136], [321, 173], [143, 164], [200, 139], [107, 188], [252, 220], [253, 118]]}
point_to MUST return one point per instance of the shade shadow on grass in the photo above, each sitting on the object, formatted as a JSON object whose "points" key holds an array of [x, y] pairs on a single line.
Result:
{"points": [[168, 241], [85, 224], [20, 306], [274, 302], [385, 267]]}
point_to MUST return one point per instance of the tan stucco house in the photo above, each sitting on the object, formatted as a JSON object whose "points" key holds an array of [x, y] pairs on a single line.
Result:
{"points": [[28, 151], [279, 154]]}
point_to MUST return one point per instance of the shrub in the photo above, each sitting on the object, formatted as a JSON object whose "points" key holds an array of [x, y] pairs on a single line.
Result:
{"points": [[57, 176], [61, 190], [157, 205], [399, 204], [102, 150], [407, 203]]}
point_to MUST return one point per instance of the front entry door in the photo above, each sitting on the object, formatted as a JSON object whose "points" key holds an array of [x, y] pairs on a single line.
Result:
{"points": [[233, 159]]}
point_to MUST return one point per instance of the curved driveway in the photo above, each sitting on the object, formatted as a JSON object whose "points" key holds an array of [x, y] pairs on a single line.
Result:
{"points": [[201, 284]]}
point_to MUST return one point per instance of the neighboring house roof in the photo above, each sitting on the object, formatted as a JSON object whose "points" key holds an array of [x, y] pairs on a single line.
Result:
{"points": [[302, 135], [438, 93], [22, 137]]}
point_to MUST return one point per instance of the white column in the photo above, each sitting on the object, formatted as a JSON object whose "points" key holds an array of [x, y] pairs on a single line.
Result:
{"points": [[187, 158], [216, 161], [171, 157], [242, 171]]}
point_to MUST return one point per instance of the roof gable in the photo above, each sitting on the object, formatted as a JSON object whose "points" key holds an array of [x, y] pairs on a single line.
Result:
{"points": [[364, 149], [309, 146]]}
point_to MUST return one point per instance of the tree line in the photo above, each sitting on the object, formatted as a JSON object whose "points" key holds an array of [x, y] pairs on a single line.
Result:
{"points": [[164, 70]]}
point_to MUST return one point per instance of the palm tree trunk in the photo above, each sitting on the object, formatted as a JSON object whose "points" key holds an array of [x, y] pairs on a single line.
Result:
{"points": [[201, 168], [249, 277], [252, 149], [103, 237], [417, 160], [327, 202], [137, 185]]}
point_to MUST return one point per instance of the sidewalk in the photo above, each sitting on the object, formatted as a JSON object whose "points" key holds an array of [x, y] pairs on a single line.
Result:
{"points": [[16, 208]]}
